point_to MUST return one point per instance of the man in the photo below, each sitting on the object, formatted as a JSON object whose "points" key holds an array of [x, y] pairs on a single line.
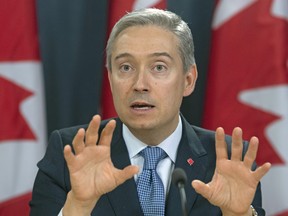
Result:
{"points": [[150, 59]]}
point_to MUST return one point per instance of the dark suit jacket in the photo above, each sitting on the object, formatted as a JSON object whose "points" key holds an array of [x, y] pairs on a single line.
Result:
{"points": [[52, 182]]}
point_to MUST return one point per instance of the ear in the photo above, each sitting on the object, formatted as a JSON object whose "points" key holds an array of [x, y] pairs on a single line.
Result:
{"points": [[190, 80]]}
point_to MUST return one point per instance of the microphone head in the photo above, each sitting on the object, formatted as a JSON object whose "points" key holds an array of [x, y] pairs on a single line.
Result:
{"points": [[179, 176]]}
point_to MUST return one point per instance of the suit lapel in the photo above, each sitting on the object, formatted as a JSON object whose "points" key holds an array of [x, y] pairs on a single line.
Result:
{"points": [[124, 198], [191, 157]]}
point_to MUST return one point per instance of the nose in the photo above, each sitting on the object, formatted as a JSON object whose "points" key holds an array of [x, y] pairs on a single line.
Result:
{"points": [[141, 83]]}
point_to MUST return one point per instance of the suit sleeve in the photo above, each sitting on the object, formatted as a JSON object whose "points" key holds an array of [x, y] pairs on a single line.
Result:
{"points": [[52, 181]]}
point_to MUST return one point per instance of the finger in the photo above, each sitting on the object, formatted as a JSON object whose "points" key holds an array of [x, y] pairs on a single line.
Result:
{"points": [[237, 144], [91, 137], [262, 170], [107, 133], [125, 174], [202, 188], [78, 141], [221, 146], [251, 153], [68, 155]]}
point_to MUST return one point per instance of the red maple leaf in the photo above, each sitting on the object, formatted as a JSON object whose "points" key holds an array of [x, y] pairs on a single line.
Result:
{"points": [[13, 125], [249, 51]]}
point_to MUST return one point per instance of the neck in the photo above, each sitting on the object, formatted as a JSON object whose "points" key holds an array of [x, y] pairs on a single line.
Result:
{"points": [[155, 136]]}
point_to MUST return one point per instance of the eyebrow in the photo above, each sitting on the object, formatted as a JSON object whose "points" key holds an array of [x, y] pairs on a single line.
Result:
{"points": [[157, 54], [161, 54], [122, 55]]}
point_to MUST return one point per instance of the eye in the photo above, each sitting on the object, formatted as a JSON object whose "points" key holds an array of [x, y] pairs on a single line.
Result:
{"points": [[125, 68], [160, 68]]}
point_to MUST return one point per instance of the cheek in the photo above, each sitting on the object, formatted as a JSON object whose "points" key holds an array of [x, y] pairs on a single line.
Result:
{"points": [[119, 89], [178, 93], [173, 93], [116, 84], [178, 88]]}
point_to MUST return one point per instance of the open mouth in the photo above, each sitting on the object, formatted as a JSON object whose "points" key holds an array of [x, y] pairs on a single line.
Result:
{"points": [[142, 106]]}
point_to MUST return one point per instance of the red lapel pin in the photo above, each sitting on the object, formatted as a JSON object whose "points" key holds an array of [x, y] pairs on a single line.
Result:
{"points": [[190, 161]]}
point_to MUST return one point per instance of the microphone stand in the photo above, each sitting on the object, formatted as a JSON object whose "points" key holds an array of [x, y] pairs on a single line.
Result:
{"points": [[183, 198], [179, 178]]}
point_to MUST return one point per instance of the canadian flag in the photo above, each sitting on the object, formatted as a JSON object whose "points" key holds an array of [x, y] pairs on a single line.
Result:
{"points": [[22, 121], [119, 8], [248, 85]]}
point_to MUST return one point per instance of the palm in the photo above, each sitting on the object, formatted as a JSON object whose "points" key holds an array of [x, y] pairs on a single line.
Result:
{"points": [[233, 185], [92, 172], [227, 181]]}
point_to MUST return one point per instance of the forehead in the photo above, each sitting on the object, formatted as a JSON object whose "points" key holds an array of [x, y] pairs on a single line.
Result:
{"points": [[146, 39]]}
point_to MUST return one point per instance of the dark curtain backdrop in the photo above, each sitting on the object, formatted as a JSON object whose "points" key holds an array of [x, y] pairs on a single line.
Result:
{"points": [[72, 37]]}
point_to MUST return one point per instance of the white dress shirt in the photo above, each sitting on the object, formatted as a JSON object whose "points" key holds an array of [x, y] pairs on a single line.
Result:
{"points": [[169, 145]]}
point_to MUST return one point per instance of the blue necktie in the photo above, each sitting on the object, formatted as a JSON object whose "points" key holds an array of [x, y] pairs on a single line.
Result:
{"points": [[149, 185]]}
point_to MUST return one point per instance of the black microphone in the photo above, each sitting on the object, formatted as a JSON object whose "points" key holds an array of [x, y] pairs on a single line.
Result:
{"points": [[179, 178]]}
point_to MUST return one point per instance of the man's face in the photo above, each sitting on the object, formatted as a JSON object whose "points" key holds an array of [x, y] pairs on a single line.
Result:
{"points": [[147, 79]]}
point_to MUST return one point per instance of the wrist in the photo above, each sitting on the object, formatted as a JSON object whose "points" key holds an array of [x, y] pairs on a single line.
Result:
{"points": [[248, 213], [251, 212], [75, 207]]}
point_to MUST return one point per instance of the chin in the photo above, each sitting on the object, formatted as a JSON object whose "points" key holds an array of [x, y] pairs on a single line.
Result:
{"points": [[138, 124]]}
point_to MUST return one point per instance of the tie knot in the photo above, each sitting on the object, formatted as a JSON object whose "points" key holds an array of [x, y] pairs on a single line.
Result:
{"points": [[152, 156]]}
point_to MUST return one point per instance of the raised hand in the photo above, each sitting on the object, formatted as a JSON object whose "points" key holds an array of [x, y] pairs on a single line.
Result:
{"points": [[234, 184], [92, 172]]}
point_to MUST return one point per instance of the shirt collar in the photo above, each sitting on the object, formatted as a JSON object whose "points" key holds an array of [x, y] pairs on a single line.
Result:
{"points": [[169, 145]]}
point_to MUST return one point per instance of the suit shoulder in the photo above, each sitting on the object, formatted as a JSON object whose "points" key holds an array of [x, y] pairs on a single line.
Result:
{"points": [[202, 132], [206, 135], [68, 133]]}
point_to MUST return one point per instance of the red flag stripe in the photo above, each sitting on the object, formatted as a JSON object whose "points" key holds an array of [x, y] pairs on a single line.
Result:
{"points": [[18, 38], [248, 85], [16, 206]]}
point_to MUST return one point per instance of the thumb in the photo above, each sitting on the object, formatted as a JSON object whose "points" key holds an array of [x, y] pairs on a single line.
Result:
{"points": [[127, 173], [201, 188]]}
